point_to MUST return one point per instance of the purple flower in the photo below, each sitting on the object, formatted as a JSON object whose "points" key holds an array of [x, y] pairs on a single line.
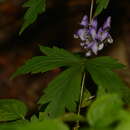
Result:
{"points": [[102, 34], [93, 33], [84, 21], [107, 23], [93, 46], [92, 38], [82, 34], [94, 23]]}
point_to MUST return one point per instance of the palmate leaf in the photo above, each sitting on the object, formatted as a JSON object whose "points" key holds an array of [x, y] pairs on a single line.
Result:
{"points": [[55, 58], [63, 92], [102, 74], [11, 109], [35, 7], [101, 4]]}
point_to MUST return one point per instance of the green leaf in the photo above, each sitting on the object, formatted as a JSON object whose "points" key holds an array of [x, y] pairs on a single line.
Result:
{"points": [[103, 76], [44, 125], [105, 62], [86, 99], [55, 58], [35, 7], [104, 128], [125, 121], [63, 92], [62, 54], [105, 111], [69, 117], [12, 125], [101, 5], [11, 109], [101, 91], [124, 126]]}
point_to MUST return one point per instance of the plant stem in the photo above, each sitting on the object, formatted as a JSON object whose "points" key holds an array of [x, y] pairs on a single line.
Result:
{"points": [[80, 101], [91, 10]]}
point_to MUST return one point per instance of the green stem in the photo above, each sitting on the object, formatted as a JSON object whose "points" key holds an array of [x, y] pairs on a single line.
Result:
{"points": [[80, 101], [91, 10]]}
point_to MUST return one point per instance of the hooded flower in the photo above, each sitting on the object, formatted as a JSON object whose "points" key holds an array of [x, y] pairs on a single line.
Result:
{"points": [[92, 38]]}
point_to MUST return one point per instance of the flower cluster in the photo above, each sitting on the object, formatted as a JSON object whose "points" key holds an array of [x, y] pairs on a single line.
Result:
{"points": [[92, 38]]}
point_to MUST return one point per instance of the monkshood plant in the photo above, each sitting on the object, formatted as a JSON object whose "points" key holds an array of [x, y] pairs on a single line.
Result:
{"points": [[67, 103]]}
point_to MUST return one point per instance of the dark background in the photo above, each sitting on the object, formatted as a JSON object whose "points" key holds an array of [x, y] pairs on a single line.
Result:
{"points": [[55, 27]]}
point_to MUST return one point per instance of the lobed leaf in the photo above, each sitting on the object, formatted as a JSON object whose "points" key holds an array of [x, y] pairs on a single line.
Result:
{"points": [[58, 52], [35, 7], [55, 58], [105, 62], [103, 76], [63, 92]]}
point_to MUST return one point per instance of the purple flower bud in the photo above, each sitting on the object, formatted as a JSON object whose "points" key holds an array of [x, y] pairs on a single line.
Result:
{"points": [[84, 21], [107, 23]]}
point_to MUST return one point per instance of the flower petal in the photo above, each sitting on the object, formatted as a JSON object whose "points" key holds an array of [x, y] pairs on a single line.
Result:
{"points": [[82, 44], [94, 23], [88, 53], [102, 35], [84, 21], [92, 32], [100, 47], [110, 40], [95, 48], [81, 33], [107, 23]]}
